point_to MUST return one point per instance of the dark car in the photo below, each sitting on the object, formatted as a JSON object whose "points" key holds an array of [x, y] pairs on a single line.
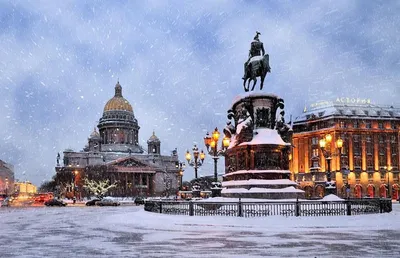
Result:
{"points": [[5, 202], [139, 200], [55, 202], [92, 202], [107, 202]]}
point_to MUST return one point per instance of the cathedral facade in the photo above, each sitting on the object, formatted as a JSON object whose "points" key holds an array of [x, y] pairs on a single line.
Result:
{"points": [[113, 152]]}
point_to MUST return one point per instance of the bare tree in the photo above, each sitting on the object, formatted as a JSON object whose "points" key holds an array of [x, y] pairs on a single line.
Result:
{"points": [[99, 188]]}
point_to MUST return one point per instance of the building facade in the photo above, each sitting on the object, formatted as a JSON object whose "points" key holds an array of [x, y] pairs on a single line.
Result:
{"points": [[6, 178], [25, 188], [114, 152], [366, 165]]}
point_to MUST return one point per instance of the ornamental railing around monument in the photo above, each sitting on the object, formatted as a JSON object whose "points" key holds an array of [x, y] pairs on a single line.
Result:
{"points": [[276, 208]]}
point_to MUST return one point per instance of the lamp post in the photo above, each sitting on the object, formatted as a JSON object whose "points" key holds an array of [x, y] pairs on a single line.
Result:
{"points": [[74, 175], [195, 163], [211, 143], [325, 145], [388, 169], [180, 166], [6, 186]]}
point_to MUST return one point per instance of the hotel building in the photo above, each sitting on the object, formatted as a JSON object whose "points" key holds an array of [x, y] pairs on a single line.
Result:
{"points": [[361, 156]]}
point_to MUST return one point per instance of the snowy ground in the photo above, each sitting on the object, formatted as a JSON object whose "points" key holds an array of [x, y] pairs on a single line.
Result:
{"points": [[128, 231]]}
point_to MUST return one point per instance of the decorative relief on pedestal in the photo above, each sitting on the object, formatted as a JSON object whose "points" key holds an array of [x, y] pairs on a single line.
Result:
{"points": [[263, 118], [241, 162]]}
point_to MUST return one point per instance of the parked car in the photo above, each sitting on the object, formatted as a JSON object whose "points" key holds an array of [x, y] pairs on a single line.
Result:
{"points": [[55, 202], [92, 202], [107, 202], [139, 200], [5, 202]]}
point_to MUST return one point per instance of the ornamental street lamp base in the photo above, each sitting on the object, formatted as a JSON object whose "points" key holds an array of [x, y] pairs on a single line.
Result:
{"points": [[329, 191], [216, 192], [196, 193]]}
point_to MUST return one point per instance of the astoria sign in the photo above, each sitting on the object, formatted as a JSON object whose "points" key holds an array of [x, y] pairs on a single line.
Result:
{"points": [[342, 100]]}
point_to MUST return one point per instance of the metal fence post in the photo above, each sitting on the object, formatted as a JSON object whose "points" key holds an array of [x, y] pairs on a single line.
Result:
{"points": [[160, 204], [191, 208], [380, 206], [348, 207], [297, 209], [240, 214]]}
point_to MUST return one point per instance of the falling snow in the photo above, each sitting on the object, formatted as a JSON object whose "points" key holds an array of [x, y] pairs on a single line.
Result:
{"points": [[180, 66]]}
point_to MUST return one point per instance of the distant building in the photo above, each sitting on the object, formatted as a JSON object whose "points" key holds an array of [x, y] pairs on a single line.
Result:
{"points": [[6, 178], [114, 152], [25, 188], [368, 162]]}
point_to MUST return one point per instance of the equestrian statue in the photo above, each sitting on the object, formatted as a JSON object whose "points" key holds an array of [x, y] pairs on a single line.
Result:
{"points": [[257, 64]]}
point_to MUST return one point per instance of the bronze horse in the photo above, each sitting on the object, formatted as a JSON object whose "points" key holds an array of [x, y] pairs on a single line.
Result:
{"points": [[256, 68]]}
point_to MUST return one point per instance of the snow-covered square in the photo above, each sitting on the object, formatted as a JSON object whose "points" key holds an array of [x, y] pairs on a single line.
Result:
{"points": [[129, 231]]}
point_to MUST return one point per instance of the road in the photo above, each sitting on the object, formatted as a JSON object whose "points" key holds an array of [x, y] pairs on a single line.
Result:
{"points": [[128, 231]]}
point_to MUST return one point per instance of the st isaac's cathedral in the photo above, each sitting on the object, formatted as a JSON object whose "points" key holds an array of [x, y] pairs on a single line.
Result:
{"points": [[114, 152]]}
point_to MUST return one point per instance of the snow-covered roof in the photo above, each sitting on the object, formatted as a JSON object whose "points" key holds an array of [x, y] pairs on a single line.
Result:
{"points": [[361, 111], [258, 182], [257, 172]]}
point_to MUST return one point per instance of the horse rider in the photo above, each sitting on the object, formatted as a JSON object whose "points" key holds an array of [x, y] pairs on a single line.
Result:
{"points": [[256, 49]]}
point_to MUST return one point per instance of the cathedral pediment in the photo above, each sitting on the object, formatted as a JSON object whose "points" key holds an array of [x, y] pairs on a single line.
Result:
{"points": [[128, 163]]}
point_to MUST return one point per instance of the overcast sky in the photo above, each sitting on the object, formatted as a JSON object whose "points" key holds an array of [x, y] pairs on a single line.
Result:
{"points": [[180, 64]]}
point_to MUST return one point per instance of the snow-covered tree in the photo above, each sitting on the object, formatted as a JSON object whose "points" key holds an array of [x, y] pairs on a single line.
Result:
{"points": [[98, 188]]}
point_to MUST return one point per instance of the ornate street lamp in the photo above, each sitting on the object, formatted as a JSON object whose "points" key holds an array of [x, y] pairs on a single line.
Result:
{"points": [[325, 145], [196, 163], [180, 166], [211, 143]]}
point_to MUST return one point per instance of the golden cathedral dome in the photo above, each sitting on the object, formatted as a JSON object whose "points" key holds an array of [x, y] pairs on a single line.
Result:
{"points": [[118, 102]]}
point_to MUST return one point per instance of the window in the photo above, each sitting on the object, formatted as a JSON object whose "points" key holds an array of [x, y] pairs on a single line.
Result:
{"points": [[380, 125], [342, 124], [368, 124], [370, 162], [381, 139], [314, 141], [315, 153], [370, 148], [357, 162], [356, 145], [356, 124]]}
